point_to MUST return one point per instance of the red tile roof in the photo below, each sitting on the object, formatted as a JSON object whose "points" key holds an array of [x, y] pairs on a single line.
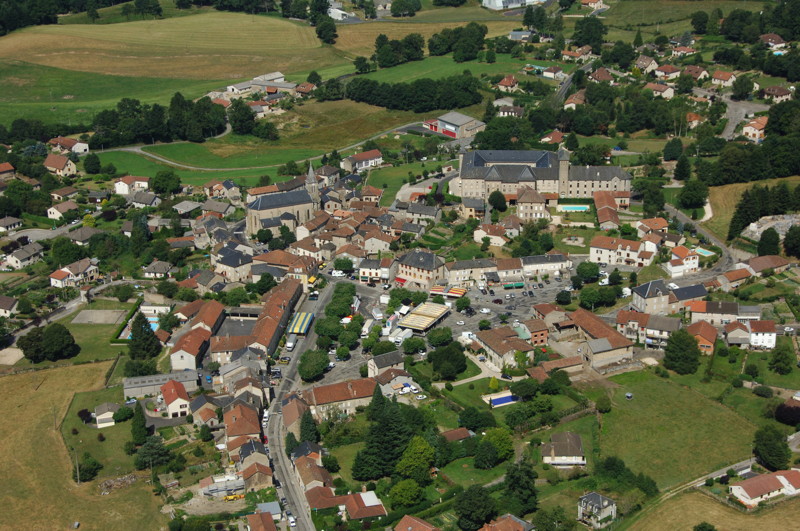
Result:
{"points": [[58, 162], [209, 314], [261, 522], [760, 485], [256, 468], [737, 274], [191, 309], [339, 392], [6, 167], [762, 327], [538, 373], [655, 224], [596, 328], [683, 252], [760, 263], [703, 329], [323, 498], [366, 155], [357, 509], [508, 81], [458, 434], [609, 243], [736, 325], [241, 420], [192, 342], [412, 523], [561, 363], [172, 391], [626, 316], [722, 75]]}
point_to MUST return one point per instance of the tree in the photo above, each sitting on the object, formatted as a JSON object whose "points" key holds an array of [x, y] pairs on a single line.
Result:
{"points": [[563, 298], [412, 345], [771, 449], [152, 453], [591, 31], [326, 30], [205, 433], [498, 201], [308, 428], [330, 463], [167, 288], [32, 346], [486, 455], [588, 271], [24, 306], [501, 440], [682, 354], [521, 486], [699, 21], [527, 17], [343, 264], [405, 493], [769, 243], [462, 303], [166, 182], [312, 365], [290, 443], [571, 142], [91, 164], [88, 468], [673, 149], [139, 431], [122, 414], [693, 194], [362, 65], [555, 519], [143, 343], [637, 40], [241, 117], [791, 242], [416, 461], [525, 389], [474, 507], [683, 169], [124, 292], [742, 88], [314, 78], [440, 336], [603, 404], [53, 343], [782, 360]]}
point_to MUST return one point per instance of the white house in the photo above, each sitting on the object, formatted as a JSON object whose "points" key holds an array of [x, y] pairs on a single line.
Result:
{"points": [[495, 233], [604, 249], [75, 274], [360, 161], [58, 211], [189, 349], [751, 492], [130, 184], [763, 334], [104, 414], [175, 398], [8, 305], [564, 450], [683, 262]]}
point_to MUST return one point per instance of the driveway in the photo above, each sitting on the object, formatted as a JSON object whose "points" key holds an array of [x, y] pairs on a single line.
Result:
{"points": [[735, 112]]}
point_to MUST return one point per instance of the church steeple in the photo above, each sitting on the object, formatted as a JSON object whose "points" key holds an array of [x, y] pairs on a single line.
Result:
{"points": [[311, 184]]}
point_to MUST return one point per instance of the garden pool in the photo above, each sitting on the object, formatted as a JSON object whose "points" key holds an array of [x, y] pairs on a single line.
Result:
{"points": [[503, 398], [573, 208], [153, 324], [704, 252]]}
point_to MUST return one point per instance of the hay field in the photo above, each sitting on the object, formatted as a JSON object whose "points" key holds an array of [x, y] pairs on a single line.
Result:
{"points": [[646, 12], [39, 492], [683, 512], [725, 198], [216, 45]]}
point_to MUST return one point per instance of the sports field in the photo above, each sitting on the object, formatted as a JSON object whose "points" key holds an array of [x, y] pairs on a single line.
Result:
{"points": [[36, 466]]}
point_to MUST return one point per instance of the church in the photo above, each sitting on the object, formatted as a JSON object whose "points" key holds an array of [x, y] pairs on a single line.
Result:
{"points": [[291, 208], [551, 174]]}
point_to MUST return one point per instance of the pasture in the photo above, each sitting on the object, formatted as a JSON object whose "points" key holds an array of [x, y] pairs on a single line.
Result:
{"points": [[37, 463], [682, 513], [444, 66], [668, 420], [725, 198]]}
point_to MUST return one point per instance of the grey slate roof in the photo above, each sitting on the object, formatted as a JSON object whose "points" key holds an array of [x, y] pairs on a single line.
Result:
{"points": [[158, 268], [456, 118], [235, 259], [597, 173], [543, 259], [186, 206], [216, 206], [690, 292], [594, 502], [540, 159], [654, 288], [600, 345], [305, 448], [263, 269], [145, 198], [423, 210], [664, 324], [564, 444], [473, 202], [388, 359], [369, 263], [279, 200], [422, 260], [83, 234], [478, 263]]}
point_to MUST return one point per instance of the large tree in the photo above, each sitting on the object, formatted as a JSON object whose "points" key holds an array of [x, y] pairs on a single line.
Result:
{"points": [[143, 344], [769, 243], [308, 428], [312, 365], [241, 117], [166, 182], [385, 442], [591, 31], [683, 169], [521, 482], [139, 431], [588, 271], [673, 149], [498, 201], [693, 194], [474, 508], [53, 343], [682, 354], [791, 242], [771, 449], [416, 461]]}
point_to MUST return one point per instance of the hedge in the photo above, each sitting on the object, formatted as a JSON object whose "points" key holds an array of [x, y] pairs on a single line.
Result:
{"points": [[115, 339]]}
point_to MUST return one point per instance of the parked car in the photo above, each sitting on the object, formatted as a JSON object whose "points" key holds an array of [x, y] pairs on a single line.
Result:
{"points": [[371, 284], [547, 281], [487, 310], [491, 292], [541, 286], [421, 397], [496, 301], [505, 377], [460, 323]]}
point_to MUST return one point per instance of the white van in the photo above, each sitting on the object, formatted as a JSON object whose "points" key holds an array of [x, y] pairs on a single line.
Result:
{"points": [[292, 521]]}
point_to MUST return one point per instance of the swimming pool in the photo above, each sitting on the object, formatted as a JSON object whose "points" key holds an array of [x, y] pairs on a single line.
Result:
{"points": [[574, 208], [153, 324], [503, 400], [704, 252]]}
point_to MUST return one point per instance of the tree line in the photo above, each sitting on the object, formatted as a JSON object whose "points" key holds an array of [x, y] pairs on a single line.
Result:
{"points": [[760, 201], [465, 42], [421, 95], [132, 122]]}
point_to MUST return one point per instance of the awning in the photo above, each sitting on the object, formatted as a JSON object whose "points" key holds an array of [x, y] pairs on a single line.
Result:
{"points": [[509, 285], [519, 285], [456, 292], [400, 280], [364, 277], [437, 290]]}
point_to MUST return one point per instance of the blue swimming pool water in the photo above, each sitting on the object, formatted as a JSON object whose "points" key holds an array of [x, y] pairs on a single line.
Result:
{"points": [[575, 208], [704, 252], [503, 400]]}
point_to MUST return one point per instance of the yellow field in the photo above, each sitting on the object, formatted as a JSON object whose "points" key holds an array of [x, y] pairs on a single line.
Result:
{"points": [[39, 492], [724, 199], [686, 511], [214, 45]]}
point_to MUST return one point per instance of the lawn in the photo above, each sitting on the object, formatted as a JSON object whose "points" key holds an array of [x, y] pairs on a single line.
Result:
{"points": [[92, 338], [437, 67], [646, 13], [466, 397], [761, 359], [135, 164], [346, 455], [682, 513], [113, 14], [651, 272], [463, 472], [725, 198], [425, 369], [586, 234], [652, 431], [39, 466], [391, 179], [446, 418], [467, 251], [109, 452]]}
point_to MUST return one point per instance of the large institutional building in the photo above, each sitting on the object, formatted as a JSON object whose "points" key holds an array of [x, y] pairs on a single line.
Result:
{"points": [[483, 172]]}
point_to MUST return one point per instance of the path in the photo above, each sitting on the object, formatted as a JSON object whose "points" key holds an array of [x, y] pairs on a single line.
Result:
{"points": [[708, 212], [140, 151]]}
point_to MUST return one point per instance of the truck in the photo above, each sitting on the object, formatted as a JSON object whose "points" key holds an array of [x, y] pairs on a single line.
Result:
{"points": [[394, 335], [404, 334], [387, 328], [377, 313], [365, 330], [291, 341]]}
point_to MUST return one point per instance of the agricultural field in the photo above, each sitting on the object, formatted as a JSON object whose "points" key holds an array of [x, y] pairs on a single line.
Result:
{"points": [[113, 14], [669, 419], [234, 153], [38, 465], [682, 513], [724, 199], [444, 66]]}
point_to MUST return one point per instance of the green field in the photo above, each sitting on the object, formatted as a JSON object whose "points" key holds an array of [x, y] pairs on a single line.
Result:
{"points": [[346, 455], [761, 360], [463, 472], [391, 179], [670, 420], [204, 156], [444, 66], [113, 14]]}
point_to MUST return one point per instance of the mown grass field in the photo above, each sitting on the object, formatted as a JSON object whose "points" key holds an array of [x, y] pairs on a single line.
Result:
{"points": [[346, 455], [725, 198], [670, 419], [444, 66], [391, 179], [222, 154], [113, 14], [37, 465], [683, 512]]}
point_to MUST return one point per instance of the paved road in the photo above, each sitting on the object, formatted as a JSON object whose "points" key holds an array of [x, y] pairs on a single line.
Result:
{"points": [[36, 235], [735, 112], [725, 262], [564, 88]]}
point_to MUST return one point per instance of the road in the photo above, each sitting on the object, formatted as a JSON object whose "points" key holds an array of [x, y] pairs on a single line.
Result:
{"points": [[564, 88], [725, 262], [36, 235], [735, 112]]}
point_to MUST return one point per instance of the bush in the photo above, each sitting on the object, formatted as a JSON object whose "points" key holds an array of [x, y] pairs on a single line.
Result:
{"points": [[763, 391], [738, 382], [604, 404], [101, 437], [448, 386]]}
